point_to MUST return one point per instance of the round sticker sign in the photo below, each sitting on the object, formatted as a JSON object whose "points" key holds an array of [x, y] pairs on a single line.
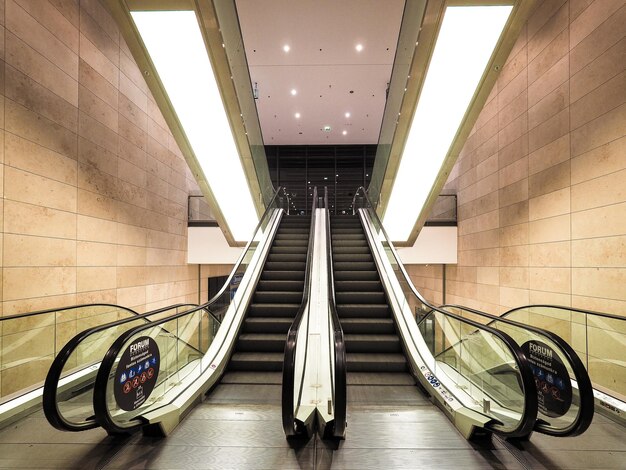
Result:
{"points": [[554, 388], [137, 373]]}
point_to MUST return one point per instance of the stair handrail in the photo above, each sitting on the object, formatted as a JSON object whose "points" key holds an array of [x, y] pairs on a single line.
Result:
{"points": [[340, 391], [291, 427], [529, 414]]}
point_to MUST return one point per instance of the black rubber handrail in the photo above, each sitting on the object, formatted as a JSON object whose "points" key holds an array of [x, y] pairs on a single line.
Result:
{"points": [[586, 405], [340, 390], [571, 309], [102, 416], [59, 309], [51, 384], [291, 427], [529, 414]]}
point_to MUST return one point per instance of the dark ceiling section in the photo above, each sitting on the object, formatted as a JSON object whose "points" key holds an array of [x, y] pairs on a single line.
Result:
{"points": [[341, 168]]}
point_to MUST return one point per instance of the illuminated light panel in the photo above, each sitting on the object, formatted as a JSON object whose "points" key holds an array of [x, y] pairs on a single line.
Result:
{"points": [[359, 47], [465, 43], [181, 60], [286, 48]]}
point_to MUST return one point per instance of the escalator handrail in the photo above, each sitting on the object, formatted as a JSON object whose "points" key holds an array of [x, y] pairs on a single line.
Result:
{"points": [[289, 363], [529, 416], [571, 309], [233, 272], [50, 389], [59, 309], [102, 415], [586, 406], [340, 392]]}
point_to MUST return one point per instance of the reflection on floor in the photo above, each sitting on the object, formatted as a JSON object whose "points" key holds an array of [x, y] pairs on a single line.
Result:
{"points": [[238, 426]]}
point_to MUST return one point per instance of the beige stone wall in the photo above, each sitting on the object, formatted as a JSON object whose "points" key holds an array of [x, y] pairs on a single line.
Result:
{"points": [[93, 187], [541, 180]]}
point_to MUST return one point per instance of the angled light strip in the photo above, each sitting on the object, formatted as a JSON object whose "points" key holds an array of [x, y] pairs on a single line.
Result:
{"points": [[177, 49], [465, 43]]}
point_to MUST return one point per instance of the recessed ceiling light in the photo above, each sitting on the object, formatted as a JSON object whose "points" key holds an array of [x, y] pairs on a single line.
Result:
{"points": [[344, 132], [347, 115], [294, 92], [359, 47], [286, 48], [297, 115], [327, 128], [325, 177]]}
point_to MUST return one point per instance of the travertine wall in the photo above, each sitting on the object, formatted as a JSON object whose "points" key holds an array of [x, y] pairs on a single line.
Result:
{"points": [[541, 180], [94, 189]]}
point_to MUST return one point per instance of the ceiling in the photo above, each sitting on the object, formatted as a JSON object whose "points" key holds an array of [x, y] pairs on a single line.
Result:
{"points": [[330, 77]]}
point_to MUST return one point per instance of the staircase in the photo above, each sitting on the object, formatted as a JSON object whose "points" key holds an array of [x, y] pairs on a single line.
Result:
{"points": [[258, 354], [373, 350]]}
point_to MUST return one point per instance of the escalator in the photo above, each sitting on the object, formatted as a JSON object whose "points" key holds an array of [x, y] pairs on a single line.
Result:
{"points": [[374, 354]]}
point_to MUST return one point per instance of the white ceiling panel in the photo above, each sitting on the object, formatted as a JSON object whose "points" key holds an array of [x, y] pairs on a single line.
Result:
{"points": [[322, 65]]}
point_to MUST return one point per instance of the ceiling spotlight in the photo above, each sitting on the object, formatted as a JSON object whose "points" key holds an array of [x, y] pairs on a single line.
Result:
{"points": [[325, 177], [359, 47], [344, 132], [286, 48], [347, 115], [297, 115], [294, 92]]}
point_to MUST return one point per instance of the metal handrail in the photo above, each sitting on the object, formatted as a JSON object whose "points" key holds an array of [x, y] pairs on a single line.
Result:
{"points": [[529, 415], [290, 426], [340, 391]]}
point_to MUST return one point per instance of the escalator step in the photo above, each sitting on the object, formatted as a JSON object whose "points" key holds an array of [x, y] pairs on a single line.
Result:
{"points": [[286, 275], [267, 325], [382, 362], [347, 230], [267, 361], [349, 243], [277, 297], [285, 266], [273, 310], [292, 236], [291, 242], [354, 286], [371, 275], [352, 257], [289, 250], [354, 266], [363, 311], [348, 236], [377, 343], [368, 325], [295, 230], [338, 250], [286, 257], [287, 285], [361, 297], [256, 342]]}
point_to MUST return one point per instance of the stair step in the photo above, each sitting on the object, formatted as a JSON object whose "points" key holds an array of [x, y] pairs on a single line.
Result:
{"points": [[277, 297], [285, 285], [382, 362], [368, 325], [273, 310], [355, 286], [376, 343], [259, 342], [360, 297], [363, 311], [297, 275], [258, 362], [267, 325]]}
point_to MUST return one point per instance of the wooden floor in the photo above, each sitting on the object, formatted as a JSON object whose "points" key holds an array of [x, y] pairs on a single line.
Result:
{"points": [[239, 426]]}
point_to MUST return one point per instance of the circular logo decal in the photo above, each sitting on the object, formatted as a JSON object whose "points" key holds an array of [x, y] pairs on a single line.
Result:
{"points": [[137, 373], [554, 388]]}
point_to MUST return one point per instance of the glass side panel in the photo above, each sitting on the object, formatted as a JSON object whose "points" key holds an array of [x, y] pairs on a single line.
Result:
{"points": [[75, 392], [30, 343], [175, 352], [559, 400]]}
